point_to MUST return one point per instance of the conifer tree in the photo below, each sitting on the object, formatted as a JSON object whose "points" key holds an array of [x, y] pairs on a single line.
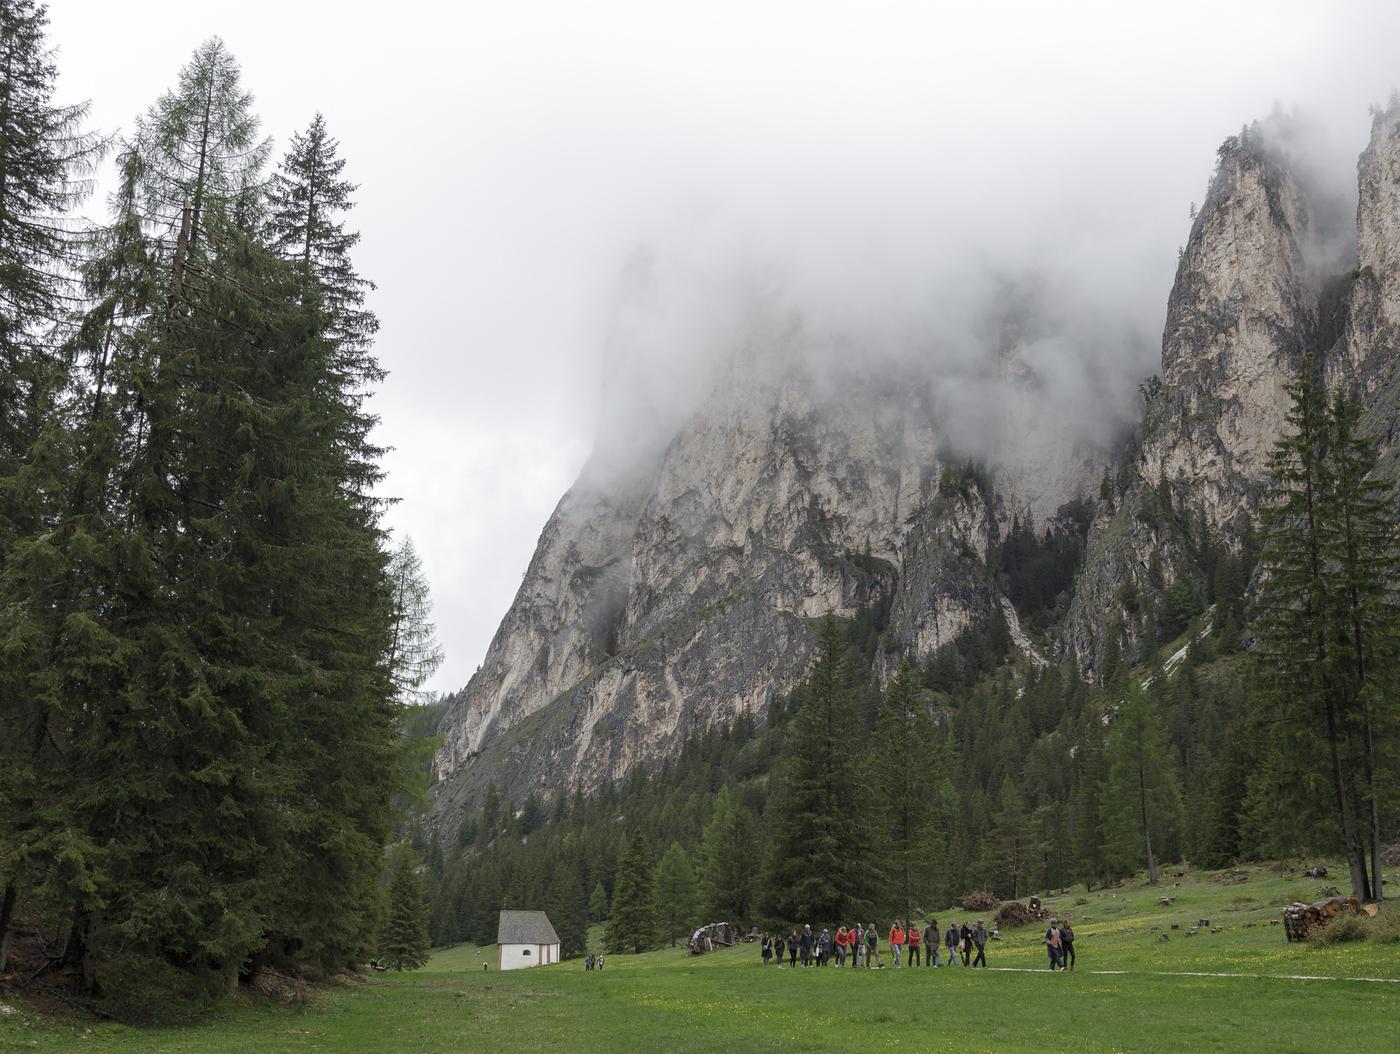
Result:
{"points": [[1141, 800], [675, 893], [44, 156], [819, 830], [598, 903], [1296, 624], [404, 942], [632, 924], [903, 738], [1009, 843], [1361, 547], [728, 854], [567, 906]]}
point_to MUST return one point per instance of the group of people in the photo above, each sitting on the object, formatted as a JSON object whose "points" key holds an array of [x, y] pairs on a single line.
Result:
{"points": [[593, 962], [859, 946], [1059, 942]]}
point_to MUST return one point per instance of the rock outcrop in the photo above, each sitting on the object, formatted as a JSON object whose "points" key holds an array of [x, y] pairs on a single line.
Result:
{"points": [[680, 590]]}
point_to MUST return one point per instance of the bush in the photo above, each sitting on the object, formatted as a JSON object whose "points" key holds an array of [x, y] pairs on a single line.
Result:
{"points": [[1341, 930], [1385, 927]]}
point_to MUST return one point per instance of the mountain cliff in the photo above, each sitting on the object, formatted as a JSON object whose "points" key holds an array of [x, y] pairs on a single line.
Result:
{"points": [[672, 592]]}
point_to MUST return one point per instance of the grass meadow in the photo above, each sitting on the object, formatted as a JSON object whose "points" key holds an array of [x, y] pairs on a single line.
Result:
{"points": [[1133, 991]]}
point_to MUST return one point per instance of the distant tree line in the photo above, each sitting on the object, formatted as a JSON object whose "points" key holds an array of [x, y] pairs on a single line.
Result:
{"points": [[204, 645], [866, 795]]}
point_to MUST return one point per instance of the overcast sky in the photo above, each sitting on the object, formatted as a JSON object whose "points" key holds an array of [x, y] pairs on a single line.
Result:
{"points": [[512, 155]]}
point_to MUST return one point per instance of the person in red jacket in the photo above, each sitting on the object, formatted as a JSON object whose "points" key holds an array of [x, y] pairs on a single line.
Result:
{"points": [[896, 942], [841, 946], [911, 938]]}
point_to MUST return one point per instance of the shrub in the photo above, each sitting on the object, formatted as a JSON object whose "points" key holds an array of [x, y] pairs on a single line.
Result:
{"points": [[1385, 927], [1341, 930]]}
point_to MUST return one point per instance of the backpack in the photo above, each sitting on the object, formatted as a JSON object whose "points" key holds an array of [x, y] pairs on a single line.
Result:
{"points": [[1066, 935]]}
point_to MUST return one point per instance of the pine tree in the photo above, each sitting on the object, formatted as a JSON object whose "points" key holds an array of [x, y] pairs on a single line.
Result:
{"points": [[404, 942], [675, 893], [818, 833], [632, 924]]}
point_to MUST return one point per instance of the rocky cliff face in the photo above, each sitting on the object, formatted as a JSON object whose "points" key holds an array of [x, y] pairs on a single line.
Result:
{"points": [[681, 590], [1251, 299], [678, 594]]}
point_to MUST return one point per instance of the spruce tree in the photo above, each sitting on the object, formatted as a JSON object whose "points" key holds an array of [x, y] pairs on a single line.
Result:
{"points": [[404, 942], [675, 893], [598, 903], [1295, 621], [44, 156], [728, 854], [1141, 801], [1361, 547], [903, 739], [632, 924], [819, 835]]}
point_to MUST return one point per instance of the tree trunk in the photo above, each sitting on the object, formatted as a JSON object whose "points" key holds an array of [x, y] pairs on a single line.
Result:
{"points": [[7, 911], [1356, 863], [1146, 828]]}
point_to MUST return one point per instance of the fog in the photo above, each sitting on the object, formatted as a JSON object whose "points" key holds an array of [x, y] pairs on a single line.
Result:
{"points": [[559, 200]]}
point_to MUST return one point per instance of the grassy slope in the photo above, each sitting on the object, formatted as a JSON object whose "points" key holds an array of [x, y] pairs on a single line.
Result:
{"points": [[667, 1001]]}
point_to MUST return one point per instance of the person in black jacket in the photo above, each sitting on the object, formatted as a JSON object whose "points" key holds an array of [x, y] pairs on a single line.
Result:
{"points": [[979, 938], [1067, 946], [792, 949], [965, 940], [767, 948], [804, 943]]}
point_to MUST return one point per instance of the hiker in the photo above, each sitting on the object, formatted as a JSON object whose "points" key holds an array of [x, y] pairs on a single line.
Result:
{"points": [[979, 938], [588, 963], [824, 947], [1067, 947], [872, 947], [1053, 944], [600, 960], [804, 943], [792, 950], [912, 939], [767, 949], [857, 939], [896, 942], [965, 937], [840, 942], [931, 943], [950, 941]]}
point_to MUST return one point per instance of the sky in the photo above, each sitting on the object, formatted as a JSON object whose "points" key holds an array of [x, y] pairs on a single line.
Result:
{"points": [[514, 158]]}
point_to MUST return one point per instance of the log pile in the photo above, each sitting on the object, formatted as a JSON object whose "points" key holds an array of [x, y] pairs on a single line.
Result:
{"points": [[715, 935], [979, 902], [1013, 914], [1301, 919]]}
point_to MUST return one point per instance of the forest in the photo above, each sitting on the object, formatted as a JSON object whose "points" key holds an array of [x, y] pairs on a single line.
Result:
{"points": [[1260, 724], [208, 637]]}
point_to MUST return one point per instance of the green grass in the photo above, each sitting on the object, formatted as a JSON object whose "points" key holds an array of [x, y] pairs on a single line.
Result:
{"points": [[668, 1001]]}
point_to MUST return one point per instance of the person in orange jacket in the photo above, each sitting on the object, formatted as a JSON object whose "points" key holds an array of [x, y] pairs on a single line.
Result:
{"points": [[911, 938], [896, 942]]}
